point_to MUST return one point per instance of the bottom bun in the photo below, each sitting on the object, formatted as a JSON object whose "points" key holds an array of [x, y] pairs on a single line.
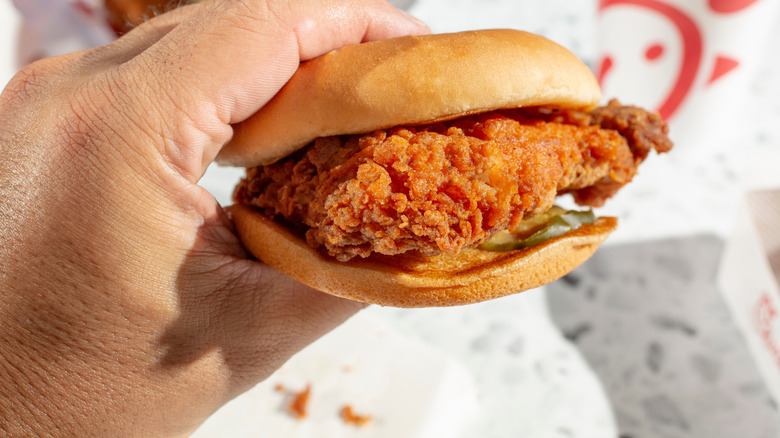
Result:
{"points": [[413, 280]]}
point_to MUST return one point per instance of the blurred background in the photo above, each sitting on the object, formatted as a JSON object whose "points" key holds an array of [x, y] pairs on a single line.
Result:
{"points": [[647, 339], [9, 27]]}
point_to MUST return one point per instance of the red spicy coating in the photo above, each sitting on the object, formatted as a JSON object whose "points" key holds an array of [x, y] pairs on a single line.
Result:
{"points": [[451, 185]]}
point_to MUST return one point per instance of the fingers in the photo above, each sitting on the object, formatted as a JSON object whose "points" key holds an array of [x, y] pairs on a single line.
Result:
{"points": [[253, 315], [296, 315], [190, 73], [341, 25], [228, 58]]}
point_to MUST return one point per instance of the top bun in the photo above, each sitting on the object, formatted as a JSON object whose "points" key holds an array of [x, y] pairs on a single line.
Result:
{"points": [[411, 80]]}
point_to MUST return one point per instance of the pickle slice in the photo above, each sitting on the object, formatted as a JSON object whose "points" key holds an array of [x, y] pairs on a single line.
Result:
{"points": [[557, 224]]}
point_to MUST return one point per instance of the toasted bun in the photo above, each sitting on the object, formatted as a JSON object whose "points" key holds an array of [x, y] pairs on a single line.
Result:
{"points": [[412, 280], [411, 80]]}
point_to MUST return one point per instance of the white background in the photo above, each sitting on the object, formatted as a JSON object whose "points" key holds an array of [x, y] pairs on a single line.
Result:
{"points": [[9, 22]]}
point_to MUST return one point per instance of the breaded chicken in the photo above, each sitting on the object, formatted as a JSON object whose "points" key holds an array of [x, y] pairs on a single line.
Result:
{"points": [[443, 187]]}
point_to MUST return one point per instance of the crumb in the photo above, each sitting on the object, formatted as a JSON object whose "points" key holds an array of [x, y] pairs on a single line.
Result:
{"points": [[297, 407], [350, 417], [279, 387], [348, 368]]}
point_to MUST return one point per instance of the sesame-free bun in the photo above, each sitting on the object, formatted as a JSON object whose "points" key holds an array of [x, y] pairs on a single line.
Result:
{"points": [[411, 80], [412, 280]]}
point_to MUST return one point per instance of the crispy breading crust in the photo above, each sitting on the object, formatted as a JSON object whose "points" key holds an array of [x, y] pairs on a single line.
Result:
{"points": [[447, 186]]}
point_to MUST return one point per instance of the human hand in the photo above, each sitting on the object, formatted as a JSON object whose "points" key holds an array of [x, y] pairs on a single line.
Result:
{"points": [[127, 305]]}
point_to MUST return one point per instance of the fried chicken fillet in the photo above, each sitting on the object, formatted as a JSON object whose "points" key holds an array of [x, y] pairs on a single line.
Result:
{"points": [[449, 185]]}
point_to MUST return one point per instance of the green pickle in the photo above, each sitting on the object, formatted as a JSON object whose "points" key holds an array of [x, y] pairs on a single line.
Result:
{"points": [[551, 224]]}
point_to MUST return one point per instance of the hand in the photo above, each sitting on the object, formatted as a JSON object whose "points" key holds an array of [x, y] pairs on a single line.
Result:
{"points": [[127, 305]]}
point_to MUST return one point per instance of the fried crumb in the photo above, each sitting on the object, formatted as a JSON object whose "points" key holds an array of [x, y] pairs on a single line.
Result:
{"points": [[350, 417], [298, 407]]}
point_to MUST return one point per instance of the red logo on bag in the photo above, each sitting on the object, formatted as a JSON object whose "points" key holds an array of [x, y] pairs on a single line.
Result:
{"points": [[691, 53], [764, 315], [730, 6], [692, 48]]}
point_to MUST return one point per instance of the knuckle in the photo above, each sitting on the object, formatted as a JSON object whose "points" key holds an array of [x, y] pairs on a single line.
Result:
{"points": [[33, 80], [82, 119], [96, 109], [91, 126], [253, 15]]}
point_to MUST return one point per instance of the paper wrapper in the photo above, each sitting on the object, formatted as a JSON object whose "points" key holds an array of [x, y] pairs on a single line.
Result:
{"points": [[406, 388], [749, 276], [765, 208], [749, 281], [691, 61]]}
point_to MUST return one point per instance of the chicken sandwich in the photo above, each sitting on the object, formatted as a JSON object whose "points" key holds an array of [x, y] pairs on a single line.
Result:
{"points": [[423, 170]]}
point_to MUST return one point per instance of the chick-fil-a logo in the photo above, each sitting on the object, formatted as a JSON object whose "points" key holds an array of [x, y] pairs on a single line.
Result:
{"points": [[692, 47], [764, 318]]}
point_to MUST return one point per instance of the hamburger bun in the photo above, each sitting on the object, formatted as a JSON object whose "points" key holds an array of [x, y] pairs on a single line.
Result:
{"points": [[413, 280], [407, 81], [411, 80]]}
